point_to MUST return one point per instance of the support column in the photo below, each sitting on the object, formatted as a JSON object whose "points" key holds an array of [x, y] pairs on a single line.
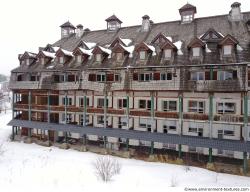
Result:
{"points": [[105, 108], [127, 113], [48, 113], [65, 113], [210, 124], [180, 123], [152, 122], [13, 128], [84, 137], [245, 101], [29, 112]]}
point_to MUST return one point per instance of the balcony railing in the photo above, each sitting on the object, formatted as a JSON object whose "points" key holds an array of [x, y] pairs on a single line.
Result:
{"points": [[155, 85], [163, 114], [215, 85], [195, 116], [229, 118], [24, 84]]}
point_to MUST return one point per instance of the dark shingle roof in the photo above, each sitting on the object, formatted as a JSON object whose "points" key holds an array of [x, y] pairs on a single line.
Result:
{"points": [[68, 24], [113, 18], [187, 7]]}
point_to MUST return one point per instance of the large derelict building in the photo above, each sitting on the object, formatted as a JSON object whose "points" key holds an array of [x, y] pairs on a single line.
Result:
{"points": [[179, 85]]}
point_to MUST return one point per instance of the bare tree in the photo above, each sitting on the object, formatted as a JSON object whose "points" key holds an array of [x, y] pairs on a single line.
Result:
{"points": [[173, 181], [106, 168]]}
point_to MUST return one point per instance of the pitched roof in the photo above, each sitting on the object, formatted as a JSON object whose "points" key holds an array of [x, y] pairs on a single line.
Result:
{"points": [[113, 18], [187, 7], [68, 24]]}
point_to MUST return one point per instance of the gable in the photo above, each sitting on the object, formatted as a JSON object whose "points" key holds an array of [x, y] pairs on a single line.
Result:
{"points": [[228, 40], [196, 42], [211, 35], [160, 39]]}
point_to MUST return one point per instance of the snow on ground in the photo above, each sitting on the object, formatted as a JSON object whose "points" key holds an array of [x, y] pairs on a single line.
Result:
{"points": [[30, 167]]}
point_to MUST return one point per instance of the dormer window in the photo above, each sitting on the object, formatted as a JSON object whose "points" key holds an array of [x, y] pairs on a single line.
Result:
{"points": [[227, 49], [61, 60], [196, 51], [42, 61], [167, 54], [98, 57], [119, 56], [78, 58], [142, 55], [187, 18], [27, 61]]}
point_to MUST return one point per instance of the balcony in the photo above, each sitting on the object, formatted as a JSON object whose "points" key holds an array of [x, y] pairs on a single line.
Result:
{"points": [[139, 113], [215, 85], [21, 106], [24, 84], [197, 116], [162, 114], [155, 85], [229, 118]]}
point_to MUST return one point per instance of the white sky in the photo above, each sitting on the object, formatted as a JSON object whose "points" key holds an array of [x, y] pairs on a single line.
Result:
{"points": [[28, 24]]}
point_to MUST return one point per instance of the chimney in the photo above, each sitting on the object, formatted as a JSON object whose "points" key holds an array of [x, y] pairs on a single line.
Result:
{"points": [[145, 23], [67, 29], [235, 13], [79, 30]]}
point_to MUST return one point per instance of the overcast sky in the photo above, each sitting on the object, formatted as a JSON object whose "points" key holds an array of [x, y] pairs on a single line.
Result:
{"points": [[28, 24]]}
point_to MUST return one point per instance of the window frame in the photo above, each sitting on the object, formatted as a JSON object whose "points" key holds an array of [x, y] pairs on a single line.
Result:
{"points": [[223, 107], [198, 108], [227, 50], [166, 105]]}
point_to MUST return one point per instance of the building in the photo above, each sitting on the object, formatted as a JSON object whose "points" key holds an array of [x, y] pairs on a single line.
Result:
{"points": [[181, 85]]}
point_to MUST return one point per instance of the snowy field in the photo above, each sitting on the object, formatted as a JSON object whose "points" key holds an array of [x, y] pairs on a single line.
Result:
{"points": [[30, 167]]}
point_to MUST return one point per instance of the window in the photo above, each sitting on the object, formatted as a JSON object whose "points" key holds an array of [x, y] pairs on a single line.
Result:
{"points": [[122, 103], [100, 103], [228, 133], [169, 126], [146, 77], [167, 53], [81, 117], [145, 104], [196, 76], [78, 58], [61, 60], [169, 105], [142, 55], [68, 118], [81, 102], [166, 76], [27, 61], [122, 122], [145, 123], [196, 128], [98, 57], [196, 51], [100, 77], [196, 106], [69, 101], [187, 18], [117, 77], [225, 75], [118, 56], [42, 61], [227, 50], [226, 108], [100, 120]]}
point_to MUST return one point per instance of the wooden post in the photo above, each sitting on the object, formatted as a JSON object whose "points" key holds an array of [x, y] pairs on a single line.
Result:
{"points": [[210, 123], [65, 113], [13, 100], [180, 123], [127, 113], [152, 122], [29, 113], [245, 165], [105, 108]]}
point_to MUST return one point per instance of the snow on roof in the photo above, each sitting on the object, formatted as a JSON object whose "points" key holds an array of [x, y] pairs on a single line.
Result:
{"points": [[169, 38], [56, 48], [239, 48], [178, 44], [126, 41], [68, 53], [90, 45], [108, 51], [207, 49], [50, 67], [49, 54], [85, 51], [129, 49], [31, 54], [220, 34]]}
